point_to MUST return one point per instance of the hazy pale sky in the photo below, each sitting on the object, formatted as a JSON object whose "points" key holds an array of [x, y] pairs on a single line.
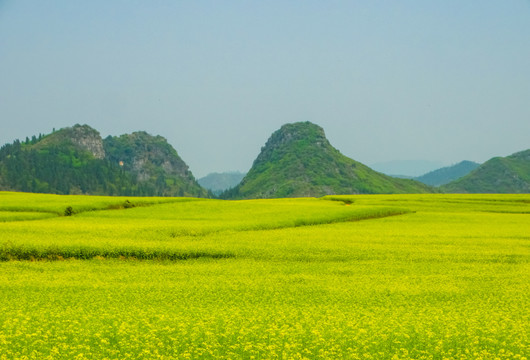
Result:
{"points": [[443, 80]]}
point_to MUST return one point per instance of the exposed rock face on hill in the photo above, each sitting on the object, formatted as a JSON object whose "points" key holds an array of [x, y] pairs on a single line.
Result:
{"points": [[509, 174], [83, 137], [447, 174], [298, 160], [152, 159], [76, 160], [89, 139]]}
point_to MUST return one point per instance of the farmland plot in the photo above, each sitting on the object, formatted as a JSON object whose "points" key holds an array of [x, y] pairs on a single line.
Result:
{"points": [[352, 277]]}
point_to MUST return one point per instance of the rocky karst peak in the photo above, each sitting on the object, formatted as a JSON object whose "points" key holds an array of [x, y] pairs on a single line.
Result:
{"points": [[88, 139]]}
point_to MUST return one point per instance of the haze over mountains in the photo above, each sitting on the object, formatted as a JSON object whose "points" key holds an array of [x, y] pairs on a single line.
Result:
{"points": [[219, 182], [296, 161], [447, 174], [406, 169]]}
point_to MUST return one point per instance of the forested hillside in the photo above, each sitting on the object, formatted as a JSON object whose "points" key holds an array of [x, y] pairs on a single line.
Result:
{"points": [[510, 174], [77, 160]]}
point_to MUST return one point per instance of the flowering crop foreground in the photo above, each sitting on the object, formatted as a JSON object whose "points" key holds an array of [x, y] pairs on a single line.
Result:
{"points": [[342, 277]]}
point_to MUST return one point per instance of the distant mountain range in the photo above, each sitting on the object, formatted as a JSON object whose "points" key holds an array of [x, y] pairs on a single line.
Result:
{"points": [[406, 169], [296, 161], [219, 182], [447, 174]]}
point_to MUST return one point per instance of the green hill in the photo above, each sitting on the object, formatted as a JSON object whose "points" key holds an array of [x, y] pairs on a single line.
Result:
{"points": [[298, 161], [447, 174], [154, 163], [509, 174], [76, 160]]}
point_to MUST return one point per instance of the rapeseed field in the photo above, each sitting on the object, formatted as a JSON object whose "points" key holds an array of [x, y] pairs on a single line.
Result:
{"points": [[341, 277]]}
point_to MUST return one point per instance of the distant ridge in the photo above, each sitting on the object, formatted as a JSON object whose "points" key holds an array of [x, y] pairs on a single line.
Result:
{"points": [[219, 182], [76, 160], [447, 174], [510, 174], [406, 169], [298, 161]]}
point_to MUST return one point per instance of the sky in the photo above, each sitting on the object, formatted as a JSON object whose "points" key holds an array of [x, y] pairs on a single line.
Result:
{"points": [[442, 81]]}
